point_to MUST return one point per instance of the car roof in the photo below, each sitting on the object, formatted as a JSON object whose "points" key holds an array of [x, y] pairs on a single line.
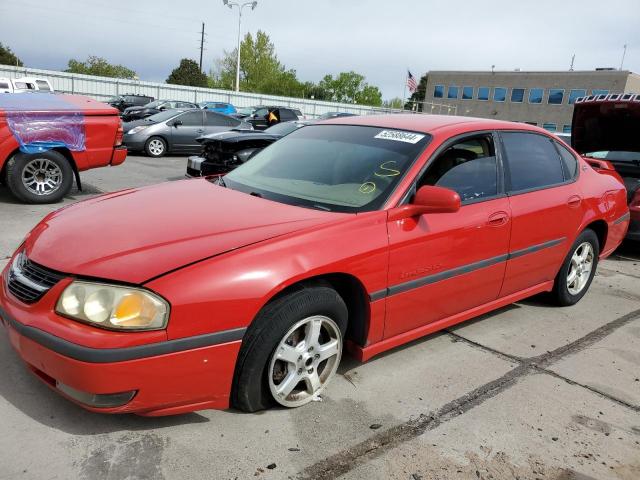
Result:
{"points": [[431, 123]]}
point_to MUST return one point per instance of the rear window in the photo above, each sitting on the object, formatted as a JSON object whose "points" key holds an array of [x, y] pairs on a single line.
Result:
{"points": [[42, 85], [4, 85], [532, 160]]}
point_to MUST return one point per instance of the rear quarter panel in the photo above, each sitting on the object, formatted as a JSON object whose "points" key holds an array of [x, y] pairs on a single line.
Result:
{"points": [[100, 132]]}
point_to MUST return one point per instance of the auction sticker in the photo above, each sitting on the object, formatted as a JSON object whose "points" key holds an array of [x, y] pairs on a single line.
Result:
{"points": [[400, 136]]}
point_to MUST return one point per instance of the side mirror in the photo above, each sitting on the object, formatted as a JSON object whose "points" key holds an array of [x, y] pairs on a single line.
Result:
{"points": [[177, 123], [428, 199], [162, 108]]}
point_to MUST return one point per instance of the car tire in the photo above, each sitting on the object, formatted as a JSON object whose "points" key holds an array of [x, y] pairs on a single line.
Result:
{"points": [[578, 269], [40, 177], [155, 147], [284, 327]]}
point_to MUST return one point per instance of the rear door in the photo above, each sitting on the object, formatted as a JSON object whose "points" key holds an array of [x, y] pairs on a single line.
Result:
{"points": [[546, 205], [183, 136]]}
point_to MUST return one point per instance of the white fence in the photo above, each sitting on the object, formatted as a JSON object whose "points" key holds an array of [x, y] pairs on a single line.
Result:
{"points": [[102, 88]]}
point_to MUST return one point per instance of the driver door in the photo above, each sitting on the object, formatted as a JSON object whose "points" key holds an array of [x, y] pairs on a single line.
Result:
{"points": [[443, 264], [183, 135]]}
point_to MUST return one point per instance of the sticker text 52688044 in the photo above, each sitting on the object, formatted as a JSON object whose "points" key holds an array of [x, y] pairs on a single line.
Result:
{"points": [[399, 136]]}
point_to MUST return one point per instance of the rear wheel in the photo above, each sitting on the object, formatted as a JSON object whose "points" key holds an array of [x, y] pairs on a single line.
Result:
{"points": [[579, 268], [39, 178], [155, 147], [291, 351]]}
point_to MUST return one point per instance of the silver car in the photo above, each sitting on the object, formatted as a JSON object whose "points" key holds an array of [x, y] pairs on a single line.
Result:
{"points": [[175, 131]]}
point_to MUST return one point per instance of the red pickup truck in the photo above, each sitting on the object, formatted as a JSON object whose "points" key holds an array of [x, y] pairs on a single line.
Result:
{"points": [[47, 139]]}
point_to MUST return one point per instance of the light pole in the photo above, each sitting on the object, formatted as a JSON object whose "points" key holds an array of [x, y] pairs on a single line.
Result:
{"points": [[240, 6]]}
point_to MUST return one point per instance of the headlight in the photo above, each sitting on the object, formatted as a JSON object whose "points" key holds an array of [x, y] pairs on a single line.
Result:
{"points": [[137, 129], [113, 307]]}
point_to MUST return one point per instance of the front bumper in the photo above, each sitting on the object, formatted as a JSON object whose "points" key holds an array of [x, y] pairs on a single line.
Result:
{"points": [[166, 377], [134, 143], [194, 166]]}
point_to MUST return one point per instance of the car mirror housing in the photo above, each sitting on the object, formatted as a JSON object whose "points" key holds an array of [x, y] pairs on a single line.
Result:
{"points": [[428, 199], [176, 123]]}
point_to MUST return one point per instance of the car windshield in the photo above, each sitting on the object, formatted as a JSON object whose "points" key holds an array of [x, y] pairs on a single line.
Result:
{"points": [[246, 110], [341, 168], [632, 157], [283, 128], [155, 104], [162, 116]]}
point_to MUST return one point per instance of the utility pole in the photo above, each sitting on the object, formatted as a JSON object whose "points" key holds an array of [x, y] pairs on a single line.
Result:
{"points": [[624, 52], [201, 45], [573, 59], [240, 6]]}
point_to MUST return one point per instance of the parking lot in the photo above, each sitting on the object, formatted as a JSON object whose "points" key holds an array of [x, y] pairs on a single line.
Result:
{"points": [[530, 391]]}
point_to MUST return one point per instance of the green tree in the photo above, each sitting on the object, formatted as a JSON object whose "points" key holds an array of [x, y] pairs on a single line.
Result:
{"points": [[188, 73], [350, 87], [7, 57], [98, 66], [260, 69], [417, 98], [396, 102]]}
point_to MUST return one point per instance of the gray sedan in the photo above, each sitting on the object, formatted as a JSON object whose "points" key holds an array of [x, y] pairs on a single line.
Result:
{"points": [[175, 131]]}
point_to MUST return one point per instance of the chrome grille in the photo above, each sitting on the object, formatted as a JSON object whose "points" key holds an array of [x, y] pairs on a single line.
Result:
{"points": [[28, 281]]}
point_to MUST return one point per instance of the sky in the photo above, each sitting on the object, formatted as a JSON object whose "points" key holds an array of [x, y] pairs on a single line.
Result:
{"points": [[380, 39]]}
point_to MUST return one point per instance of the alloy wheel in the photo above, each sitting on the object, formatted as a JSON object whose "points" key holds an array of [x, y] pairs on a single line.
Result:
{"points": [[580, 268], [156, 147], [41, 176], [305, 360]]}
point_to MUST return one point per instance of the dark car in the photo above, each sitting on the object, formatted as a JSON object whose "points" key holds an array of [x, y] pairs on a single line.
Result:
{"points": [[122, 102], [222, 152], [157, 106], [267, 116], [605, 131], [175, 131], [329, 115]]}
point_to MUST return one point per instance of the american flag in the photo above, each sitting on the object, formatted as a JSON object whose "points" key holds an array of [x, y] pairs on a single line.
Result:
{"points": [[411, 82]]}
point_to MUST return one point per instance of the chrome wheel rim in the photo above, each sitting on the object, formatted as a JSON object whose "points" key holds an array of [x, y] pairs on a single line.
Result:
{"points": [[304, 361], [156, 147], [41, 176], [580, 268]]}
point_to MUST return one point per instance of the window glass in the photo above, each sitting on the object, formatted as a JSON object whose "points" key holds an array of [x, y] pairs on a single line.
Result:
{"points": [[467, 93], [566, 129], [532, 160], [535, 95], [570, 162], [453, 92], [191, 119], [4, 85], [550, 127], [331, 167], [575, 94], [438, 91], [42, 85], [599, 92], [298, 112], [556, 96], [287, 115], [214, 119], [483, 93], [517, 95], [220, 105], [468, 167], [499, 94], [261, 112]]}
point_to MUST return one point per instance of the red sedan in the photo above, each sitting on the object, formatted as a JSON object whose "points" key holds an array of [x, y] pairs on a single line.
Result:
{"points": [[363, 233]]}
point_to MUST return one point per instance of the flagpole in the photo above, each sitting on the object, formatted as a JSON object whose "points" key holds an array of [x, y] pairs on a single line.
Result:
{"points": [[404, 92]]}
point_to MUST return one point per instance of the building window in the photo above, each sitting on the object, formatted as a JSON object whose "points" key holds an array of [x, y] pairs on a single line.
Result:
{"points": [[535, 95], [566, 129], [499, 94], [517, 95], [453, 91], [599, 92], [467, 93], [550, 127], [438, 91], [483, 93], [556, 95], [575, 94]]}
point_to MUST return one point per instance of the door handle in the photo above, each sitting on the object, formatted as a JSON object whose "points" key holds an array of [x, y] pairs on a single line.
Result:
{"points": [[574, 201], [497, 219]]}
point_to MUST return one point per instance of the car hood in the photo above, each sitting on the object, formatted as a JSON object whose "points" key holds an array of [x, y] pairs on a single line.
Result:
{"points": [[234, 136], [606, 126], [136, 235]]}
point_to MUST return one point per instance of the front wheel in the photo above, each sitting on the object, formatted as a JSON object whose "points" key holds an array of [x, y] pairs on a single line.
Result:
{"points": [[579, 268], [39, 178], [291, 351], [155, 147]]}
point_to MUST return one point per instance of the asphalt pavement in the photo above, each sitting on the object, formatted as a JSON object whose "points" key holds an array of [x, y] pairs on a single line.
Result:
{"points": [[528, 392]]}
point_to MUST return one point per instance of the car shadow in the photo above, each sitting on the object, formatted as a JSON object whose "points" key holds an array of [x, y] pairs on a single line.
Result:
{"points": [[28, 395], [629, 251]]}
